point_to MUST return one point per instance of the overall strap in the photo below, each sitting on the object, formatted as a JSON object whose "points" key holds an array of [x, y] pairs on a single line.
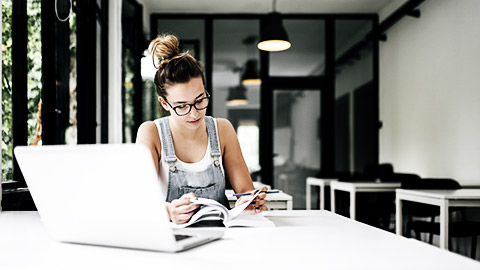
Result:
{"points": [[167, 143], [213, 138]]}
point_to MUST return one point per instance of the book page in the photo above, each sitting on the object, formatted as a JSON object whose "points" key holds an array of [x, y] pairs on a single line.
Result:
{"points": [[211, 209], [239, 208]]}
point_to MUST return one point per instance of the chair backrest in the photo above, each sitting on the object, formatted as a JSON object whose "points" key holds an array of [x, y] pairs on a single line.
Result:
{"points": [[432, 183], [406, 179], [378, 170]]}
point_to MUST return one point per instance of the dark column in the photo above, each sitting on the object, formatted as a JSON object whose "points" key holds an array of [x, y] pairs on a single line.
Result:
{"points": [[209, 60], [328, 102], [266, 118], [86, 71], [49, 85], [104, 72], [19, 80]]}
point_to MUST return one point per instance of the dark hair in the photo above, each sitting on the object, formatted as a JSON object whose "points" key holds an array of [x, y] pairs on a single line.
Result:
{"points": [[173, 67]]}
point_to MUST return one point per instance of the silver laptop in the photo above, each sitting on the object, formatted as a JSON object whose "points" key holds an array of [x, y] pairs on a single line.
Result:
{"points": [[104, 194]]}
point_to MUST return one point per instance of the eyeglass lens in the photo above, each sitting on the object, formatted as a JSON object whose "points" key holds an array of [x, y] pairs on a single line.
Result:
{"points": [[185, 109]]}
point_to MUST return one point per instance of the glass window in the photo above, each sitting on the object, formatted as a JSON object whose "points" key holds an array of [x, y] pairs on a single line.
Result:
{"points": [[71, 129], [34, 62], [128, 93], [234, 43], [306, 57], [34, 83], [354, 74], [7, 143], [248, 133], [229, 61], [297, 141], [190, 31]]}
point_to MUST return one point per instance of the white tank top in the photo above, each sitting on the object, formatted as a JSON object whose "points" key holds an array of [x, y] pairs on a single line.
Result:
{"points": [[201, 165]]}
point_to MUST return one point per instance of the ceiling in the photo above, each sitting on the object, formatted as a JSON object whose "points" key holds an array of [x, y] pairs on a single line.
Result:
{"points": [[264, 6], [230, 52]]}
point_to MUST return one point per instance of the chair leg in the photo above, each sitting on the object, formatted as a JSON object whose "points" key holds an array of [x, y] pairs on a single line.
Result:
{"points": [[473, 251], [430, 237], [418, 235]]}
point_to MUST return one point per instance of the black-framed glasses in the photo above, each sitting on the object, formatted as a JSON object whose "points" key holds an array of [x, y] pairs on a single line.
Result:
{"points": [[184, 109]]}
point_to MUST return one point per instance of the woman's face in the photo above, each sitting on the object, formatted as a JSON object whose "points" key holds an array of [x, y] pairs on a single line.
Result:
{"points": [[184, 94]]}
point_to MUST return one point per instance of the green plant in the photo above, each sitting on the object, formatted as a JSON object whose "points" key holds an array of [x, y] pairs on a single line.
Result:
{"points": [[34, 78], [7, 172]]}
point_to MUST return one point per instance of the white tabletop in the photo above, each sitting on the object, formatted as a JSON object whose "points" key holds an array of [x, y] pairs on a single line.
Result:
{"points": [[451, 194], [443, 198], [300, 240], [320, 181], [281, 196], [369, 185]]}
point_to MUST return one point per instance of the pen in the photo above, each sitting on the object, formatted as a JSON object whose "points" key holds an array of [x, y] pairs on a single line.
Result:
{"points": [[250, 193]]}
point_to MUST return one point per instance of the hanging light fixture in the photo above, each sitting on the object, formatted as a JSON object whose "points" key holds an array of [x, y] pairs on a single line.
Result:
{"points": [[250, 74], [237, 96], [274, 36]]}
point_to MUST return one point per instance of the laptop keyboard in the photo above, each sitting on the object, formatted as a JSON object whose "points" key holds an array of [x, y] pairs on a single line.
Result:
{"points": [[179, 237]]}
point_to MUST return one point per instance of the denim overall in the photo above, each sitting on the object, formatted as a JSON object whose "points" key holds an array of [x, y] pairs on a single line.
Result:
{"points": [[209, 183]]}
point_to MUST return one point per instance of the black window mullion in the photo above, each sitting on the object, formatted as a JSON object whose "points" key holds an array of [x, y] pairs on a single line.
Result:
{"points": [[266, 116], [104, 72], [48, 73], [328, 102], [137, 81], [86, 71], [209, 60], [19, 81], [62, 111]]}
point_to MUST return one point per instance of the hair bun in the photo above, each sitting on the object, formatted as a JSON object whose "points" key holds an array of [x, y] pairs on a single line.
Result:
{"points": [[164, 47]]}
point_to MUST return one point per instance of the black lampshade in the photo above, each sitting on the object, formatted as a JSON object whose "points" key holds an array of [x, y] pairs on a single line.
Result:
{"points": [[250, 75], [237, 96], [274, 37]]}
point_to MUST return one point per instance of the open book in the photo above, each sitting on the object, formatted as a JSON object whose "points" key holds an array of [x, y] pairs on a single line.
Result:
{"points": [[213, 210]]}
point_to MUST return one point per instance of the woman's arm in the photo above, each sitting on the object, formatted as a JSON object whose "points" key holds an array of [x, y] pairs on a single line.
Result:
{"points": [[148, 135], [235, 167]]}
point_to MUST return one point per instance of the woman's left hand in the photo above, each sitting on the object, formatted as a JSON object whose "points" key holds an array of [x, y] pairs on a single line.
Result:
{"points": [[257, 205]]}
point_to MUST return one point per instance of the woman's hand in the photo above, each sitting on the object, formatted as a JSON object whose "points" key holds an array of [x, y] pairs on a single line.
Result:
{"points": [[257, 205], [180, 210]]}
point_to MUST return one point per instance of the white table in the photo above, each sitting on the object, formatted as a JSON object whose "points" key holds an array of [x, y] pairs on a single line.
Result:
{"points": [[274, 201], [320, 182], [354, 187], [443, 198], [301, 240]]}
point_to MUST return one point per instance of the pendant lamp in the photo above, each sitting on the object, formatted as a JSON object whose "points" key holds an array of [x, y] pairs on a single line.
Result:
{"points": [[237, 96], [250, 75], [274, 37]]}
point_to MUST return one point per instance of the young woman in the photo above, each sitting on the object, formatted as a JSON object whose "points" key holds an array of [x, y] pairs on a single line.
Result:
{"points": [[191, 151]]}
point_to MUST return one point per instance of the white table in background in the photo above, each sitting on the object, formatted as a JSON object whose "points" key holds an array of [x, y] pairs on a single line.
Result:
{"points": [[445, 199], [320, 182], [301, 240], [275, 201], [354, 187]]}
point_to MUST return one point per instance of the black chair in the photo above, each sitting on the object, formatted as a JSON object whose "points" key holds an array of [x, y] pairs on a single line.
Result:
{"points": [[461, 228], [379, 208], [378, 171]]}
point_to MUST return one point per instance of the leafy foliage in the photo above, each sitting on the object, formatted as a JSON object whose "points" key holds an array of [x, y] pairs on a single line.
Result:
{"points": [[34, 81], [7, 142]]}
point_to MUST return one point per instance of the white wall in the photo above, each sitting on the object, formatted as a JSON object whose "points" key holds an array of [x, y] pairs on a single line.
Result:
{"points": [[430, 92]]}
